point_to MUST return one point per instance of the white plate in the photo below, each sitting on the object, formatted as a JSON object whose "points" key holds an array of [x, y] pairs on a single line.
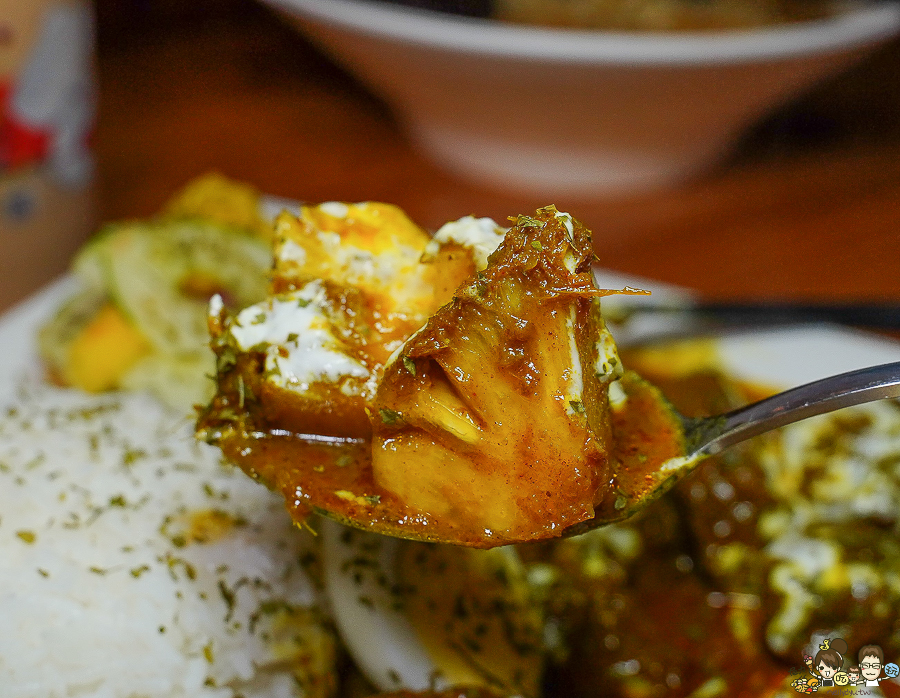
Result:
{"points": [[782, 357]]}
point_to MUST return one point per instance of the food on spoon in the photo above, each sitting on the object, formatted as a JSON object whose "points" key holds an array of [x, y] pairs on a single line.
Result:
{"points": [[450, 398], [138, 320], [714, 591]]}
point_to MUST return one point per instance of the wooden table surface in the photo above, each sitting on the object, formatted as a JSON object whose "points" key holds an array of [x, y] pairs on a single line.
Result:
{"points": [[809, 207]]}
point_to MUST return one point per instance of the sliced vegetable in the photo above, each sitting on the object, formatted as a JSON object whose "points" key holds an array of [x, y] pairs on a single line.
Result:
{"points": [[140, 320], [161, 275]]}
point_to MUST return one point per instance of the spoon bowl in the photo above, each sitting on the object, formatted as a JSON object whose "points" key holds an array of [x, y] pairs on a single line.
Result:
{"points": [[710, 435], [707, 436]]}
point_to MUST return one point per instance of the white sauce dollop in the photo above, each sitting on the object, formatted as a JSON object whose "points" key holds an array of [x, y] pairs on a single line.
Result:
{"points": [[481, 235], [300, 346]]}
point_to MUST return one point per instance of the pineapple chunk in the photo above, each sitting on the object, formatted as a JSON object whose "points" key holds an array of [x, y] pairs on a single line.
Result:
{"points": [[105, 349], [495, 415]]}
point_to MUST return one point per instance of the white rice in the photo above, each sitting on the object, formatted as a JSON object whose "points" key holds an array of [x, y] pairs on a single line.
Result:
{"points": [[102, 591]]}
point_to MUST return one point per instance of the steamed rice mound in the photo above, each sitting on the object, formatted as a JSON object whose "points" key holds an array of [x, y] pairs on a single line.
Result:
{"points": [[134, 564]]}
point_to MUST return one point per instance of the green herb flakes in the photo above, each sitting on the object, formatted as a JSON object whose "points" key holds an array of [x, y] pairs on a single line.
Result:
{"points": [[389, 416], [27, 536]]}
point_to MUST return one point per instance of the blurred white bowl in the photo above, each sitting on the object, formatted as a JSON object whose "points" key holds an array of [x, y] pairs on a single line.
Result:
{"points": [[581, 113]]}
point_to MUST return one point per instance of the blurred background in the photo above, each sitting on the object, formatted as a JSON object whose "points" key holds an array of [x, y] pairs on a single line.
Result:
{"points": [[807, 207]]}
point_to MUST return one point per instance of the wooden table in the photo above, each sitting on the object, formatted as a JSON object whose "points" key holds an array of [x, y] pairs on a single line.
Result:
{"points": [[808, 208]]}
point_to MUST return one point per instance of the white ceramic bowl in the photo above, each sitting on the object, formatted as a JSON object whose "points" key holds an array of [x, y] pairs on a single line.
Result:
{"points": [[581, 113]]}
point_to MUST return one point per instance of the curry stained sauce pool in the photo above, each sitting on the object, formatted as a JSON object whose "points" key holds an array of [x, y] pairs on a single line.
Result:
{"points": [[335, 478]]}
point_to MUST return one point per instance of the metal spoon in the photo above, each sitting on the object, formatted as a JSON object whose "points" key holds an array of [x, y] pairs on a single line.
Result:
{"points": [[707, 436]]}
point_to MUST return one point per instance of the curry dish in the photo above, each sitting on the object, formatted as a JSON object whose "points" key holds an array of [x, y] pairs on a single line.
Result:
{"points": [[454, 399], [411, 384]]}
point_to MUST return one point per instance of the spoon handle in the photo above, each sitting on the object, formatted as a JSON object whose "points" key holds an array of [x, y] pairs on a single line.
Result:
{"points": [[709, 435]]}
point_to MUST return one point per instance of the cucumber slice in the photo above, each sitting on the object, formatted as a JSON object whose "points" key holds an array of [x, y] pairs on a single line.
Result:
{"points": [[162, 274]]}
